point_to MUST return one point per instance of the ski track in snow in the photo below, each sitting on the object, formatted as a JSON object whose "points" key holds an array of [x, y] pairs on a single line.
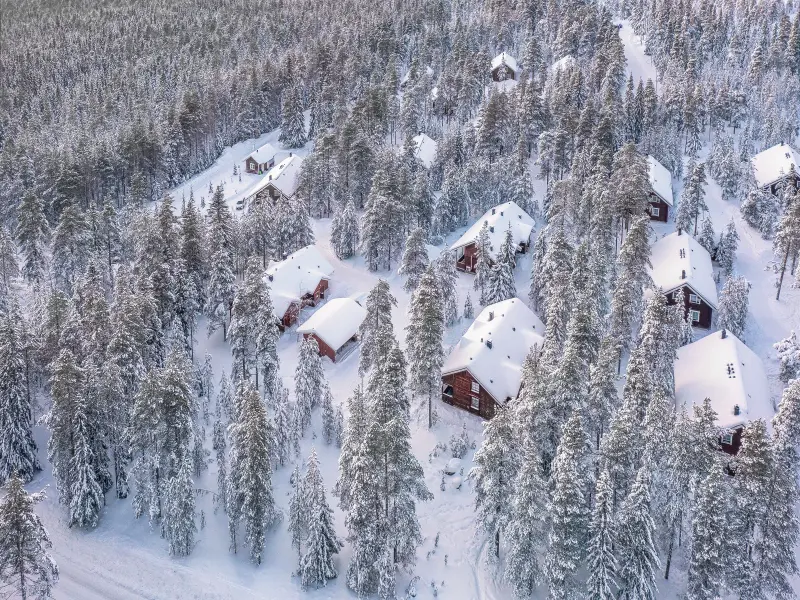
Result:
{"points": [[123, 559]]}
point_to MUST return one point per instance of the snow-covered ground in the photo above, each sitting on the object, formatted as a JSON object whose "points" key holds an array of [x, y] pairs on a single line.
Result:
{"points": [[124, 559]]}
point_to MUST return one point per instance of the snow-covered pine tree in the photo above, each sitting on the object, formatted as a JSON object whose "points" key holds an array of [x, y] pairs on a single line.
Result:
{"points": [[638, 558], [469, 312], [424, 339], [483, 265], [27, 569], [224, 399], [494, 473], [353, 436], [726, 250], [707, 236], [710, 529], [568, 515], [178, 526], [526, 529], [602, 565], [250, 496], [375, 332], [787, 239], [9, 266], [220, 445], [317, 564], [298, 513], [221, 291], [603, 396], [733, 303], [17, 448], [692, 201], [293, 123], [788, 352], [309, 380], [447, 277], [415, 259], [31, 233], [328, 418], [345, 231], [86, 495], [501, 278]]}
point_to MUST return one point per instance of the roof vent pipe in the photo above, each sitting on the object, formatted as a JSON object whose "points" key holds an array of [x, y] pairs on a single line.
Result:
{"points": [[489, 344], [683, 274], [724, 334]]}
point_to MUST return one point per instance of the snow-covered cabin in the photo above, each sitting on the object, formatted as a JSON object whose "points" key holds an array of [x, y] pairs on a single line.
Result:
{"points": [[682, 269], [661, 199], [335, 327], [280, 181], [777, 165], [301, 279], [721, 368], [262, 160], [505, 67], [498, 219], [424, 150], [485, 367]]}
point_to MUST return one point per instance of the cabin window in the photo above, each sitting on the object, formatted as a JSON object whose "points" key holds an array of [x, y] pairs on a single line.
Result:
{"points": [[694, 315], [475, 387], [447, 390], [655, 211], [727, 439], [475, 403], [694, 299]]}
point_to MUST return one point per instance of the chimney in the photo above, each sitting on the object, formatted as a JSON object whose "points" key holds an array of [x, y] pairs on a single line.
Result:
{"points": [[491, 229], [270, 178], [270, 277], [493, 210], [679, 230], [290, 153], [489, 344], [724, 334], [491, 315], [683, 274], [501, 213], [736, 410]]}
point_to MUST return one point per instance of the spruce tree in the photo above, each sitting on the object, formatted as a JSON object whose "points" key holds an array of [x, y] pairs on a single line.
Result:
{"points": [[17, 448], [26, 566], [31, 233], [638, 559], [86, 495], [733, 302], [298, 513], [469, 312], [726, 250], [179, 526], [787, 240], [501, 278], [317, 565], [483, 265], [424, 341], [293, 125], [415, 260], [602, 564], [309, 381], [345, 231], [376, 330], [788, 353], [328, 418], [250, 490], [447, 278], [9, 266]]}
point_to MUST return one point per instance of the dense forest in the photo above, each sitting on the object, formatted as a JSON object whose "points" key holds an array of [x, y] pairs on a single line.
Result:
{"points": [[591, 481]]}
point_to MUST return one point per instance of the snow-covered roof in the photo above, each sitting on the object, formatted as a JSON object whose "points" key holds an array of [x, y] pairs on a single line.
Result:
{"points": [[498, 220], [284, 176], [336, 322], [726, 372], [425, 149], [678, 260], [774, 163], [495, 346], [295, 276], [660, 180], [564, 62], [264, 154], [505, 59]]}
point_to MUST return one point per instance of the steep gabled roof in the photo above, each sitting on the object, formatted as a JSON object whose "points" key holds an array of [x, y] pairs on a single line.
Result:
{"points": [[495, 346], [678, 260], [283, 176], [505, 59], [774, 163], [498, 219], [336, 322], [295, 276], [726, 372], [425, 149], [660, 180], [264, 154]]}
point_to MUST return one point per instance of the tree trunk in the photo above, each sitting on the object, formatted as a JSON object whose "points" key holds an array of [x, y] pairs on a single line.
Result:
{"points": [[783, 270], [669, 552], [430, 409]]}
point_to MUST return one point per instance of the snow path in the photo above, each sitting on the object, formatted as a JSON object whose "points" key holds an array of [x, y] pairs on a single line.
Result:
{"points": [[638, 63]]}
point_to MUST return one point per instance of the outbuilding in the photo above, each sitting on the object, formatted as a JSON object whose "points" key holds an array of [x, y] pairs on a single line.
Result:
{"points": [[777, 166], [301, 279]]}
